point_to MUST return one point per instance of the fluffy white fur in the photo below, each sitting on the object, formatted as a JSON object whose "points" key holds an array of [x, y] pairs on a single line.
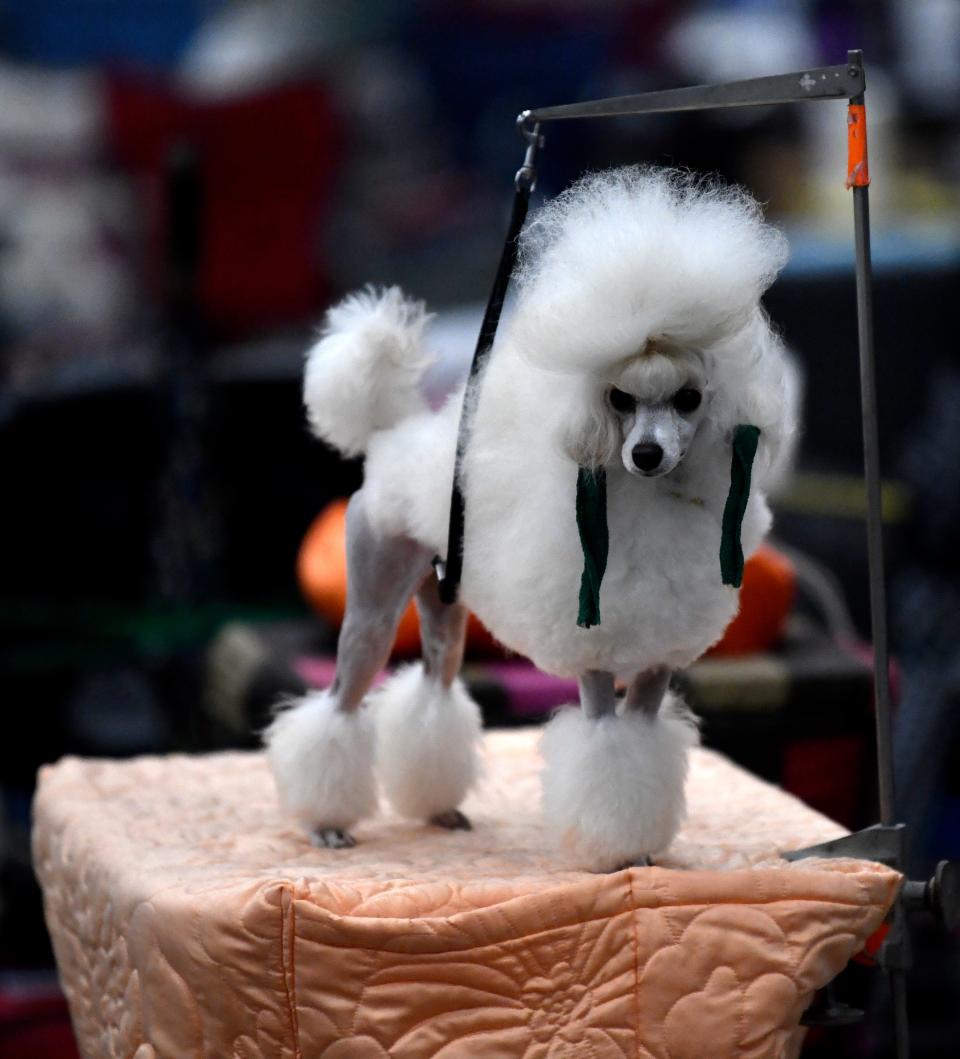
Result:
{"points": [[637, 252], [641, 279], [322, 760], [362, 375], [427, 738], [542, 407], [613, 787]]}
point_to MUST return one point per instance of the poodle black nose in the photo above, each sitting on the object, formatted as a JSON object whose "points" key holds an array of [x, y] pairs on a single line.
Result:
{"points": [[647, 456]]}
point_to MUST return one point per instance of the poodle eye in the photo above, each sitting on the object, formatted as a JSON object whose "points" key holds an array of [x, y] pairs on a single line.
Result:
{"points": [[687, 400], [622, 401]]}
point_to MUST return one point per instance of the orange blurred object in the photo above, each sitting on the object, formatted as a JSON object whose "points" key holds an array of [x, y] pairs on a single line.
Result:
{"points": [[322, 573], [765, 598]]}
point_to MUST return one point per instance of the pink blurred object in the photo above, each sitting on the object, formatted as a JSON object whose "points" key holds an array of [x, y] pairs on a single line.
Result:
{"points": [[529, 692]]}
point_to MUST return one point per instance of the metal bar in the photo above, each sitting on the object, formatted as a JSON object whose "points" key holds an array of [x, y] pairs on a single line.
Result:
{"points": [[896, 950], [825, 82], [871, 468], [879, 843], [901, 1022]]}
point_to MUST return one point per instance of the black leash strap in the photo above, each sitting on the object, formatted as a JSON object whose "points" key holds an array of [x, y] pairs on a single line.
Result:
{"points": [[449, 572]]}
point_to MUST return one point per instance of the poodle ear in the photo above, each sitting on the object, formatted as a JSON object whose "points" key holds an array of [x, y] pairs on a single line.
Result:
{"points": [[762, 391], [591, 437]]}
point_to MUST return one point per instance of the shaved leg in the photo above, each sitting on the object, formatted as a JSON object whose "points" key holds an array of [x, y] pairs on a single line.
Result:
{"points": [[443, 630], [645, 694], [646, 691], [597, 694], [598, 699], [382, 574]]}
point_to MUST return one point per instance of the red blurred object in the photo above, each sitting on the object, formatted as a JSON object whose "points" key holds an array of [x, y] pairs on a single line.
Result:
{"points": [[827, 775], [766, 598], [868, 954], [267, 166], [35, 1024]]}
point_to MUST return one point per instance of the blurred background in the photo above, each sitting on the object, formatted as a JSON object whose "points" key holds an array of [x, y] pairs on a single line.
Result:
{"points": [[185, 185]]}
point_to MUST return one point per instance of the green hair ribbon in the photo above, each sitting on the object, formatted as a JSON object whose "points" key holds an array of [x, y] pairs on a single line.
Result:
{"points": [[594, 539], [595, 536], [745, 439]]}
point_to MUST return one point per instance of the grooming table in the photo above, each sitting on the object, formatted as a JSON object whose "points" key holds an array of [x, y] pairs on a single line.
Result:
{"points": [[190, 919]]}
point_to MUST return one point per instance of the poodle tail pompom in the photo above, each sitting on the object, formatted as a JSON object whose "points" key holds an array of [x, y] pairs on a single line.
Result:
{"points": [[362, 374], [322, 761], [613, 787]]}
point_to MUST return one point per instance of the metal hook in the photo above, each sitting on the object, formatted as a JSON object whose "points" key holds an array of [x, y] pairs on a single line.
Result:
{"points": [[526, 178]]}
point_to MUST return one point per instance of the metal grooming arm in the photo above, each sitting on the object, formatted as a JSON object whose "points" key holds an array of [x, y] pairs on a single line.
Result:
{"points": [[823, 83], [884, 842], [826, 82]]}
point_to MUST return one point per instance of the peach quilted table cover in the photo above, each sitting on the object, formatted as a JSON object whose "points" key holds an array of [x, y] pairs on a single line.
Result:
{"points": [[189, 919]]}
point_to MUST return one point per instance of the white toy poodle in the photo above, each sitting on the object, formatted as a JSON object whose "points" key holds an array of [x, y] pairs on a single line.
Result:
{"points": [[607, 483]]}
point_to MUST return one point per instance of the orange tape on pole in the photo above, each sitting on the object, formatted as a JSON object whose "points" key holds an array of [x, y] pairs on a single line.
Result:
{"points": [[858, 174]]}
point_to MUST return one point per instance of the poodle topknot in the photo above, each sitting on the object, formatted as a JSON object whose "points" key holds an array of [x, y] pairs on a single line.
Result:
{"points": [[657, 251], [638, 351]]}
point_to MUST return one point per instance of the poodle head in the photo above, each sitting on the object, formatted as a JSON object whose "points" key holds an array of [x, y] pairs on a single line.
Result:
{"points": [[639, 291], [644, 413]]}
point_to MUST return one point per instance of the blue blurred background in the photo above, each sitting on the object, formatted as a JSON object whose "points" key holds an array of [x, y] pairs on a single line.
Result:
{"points": [[185, 185]]}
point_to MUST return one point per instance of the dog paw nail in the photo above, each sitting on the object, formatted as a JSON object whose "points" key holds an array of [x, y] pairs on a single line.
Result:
{"points": [[453, 820], [332, 838], [643, 861]]}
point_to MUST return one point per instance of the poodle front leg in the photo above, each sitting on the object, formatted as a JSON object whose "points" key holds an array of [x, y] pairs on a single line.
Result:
{"points": [[321, 748], [598, 695], [428, 727], [613, 782]]}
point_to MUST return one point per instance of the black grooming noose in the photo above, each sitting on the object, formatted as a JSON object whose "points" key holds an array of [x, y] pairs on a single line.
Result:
{"points": [[449, 572]]}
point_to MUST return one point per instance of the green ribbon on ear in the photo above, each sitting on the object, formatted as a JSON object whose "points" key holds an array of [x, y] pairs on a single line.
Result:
{"points": [[594, 539], [745, 439]]}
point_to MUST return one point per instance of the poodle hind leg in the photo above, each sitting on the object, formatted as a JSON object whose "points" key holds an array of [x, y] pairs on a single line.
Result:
{"points": [[428, 726], [321, 748], [613, 782], [443, 629], [646, 691]]}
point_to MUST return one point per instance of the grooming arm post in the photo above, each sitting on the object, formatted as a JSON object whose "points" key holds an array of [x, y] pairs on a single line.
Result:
{"points": [[858, 179]]}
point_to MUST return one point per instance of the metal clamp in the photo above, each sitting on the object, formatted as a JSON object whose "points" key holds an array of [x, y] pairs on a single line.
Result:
{"points": [[526, 178], [939, 895], [879, 843]]}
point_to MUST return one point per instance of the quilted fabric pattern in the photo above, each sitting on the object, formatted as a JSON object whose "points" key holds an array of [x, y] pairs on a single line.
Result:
{"points": [[190, 919]]}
